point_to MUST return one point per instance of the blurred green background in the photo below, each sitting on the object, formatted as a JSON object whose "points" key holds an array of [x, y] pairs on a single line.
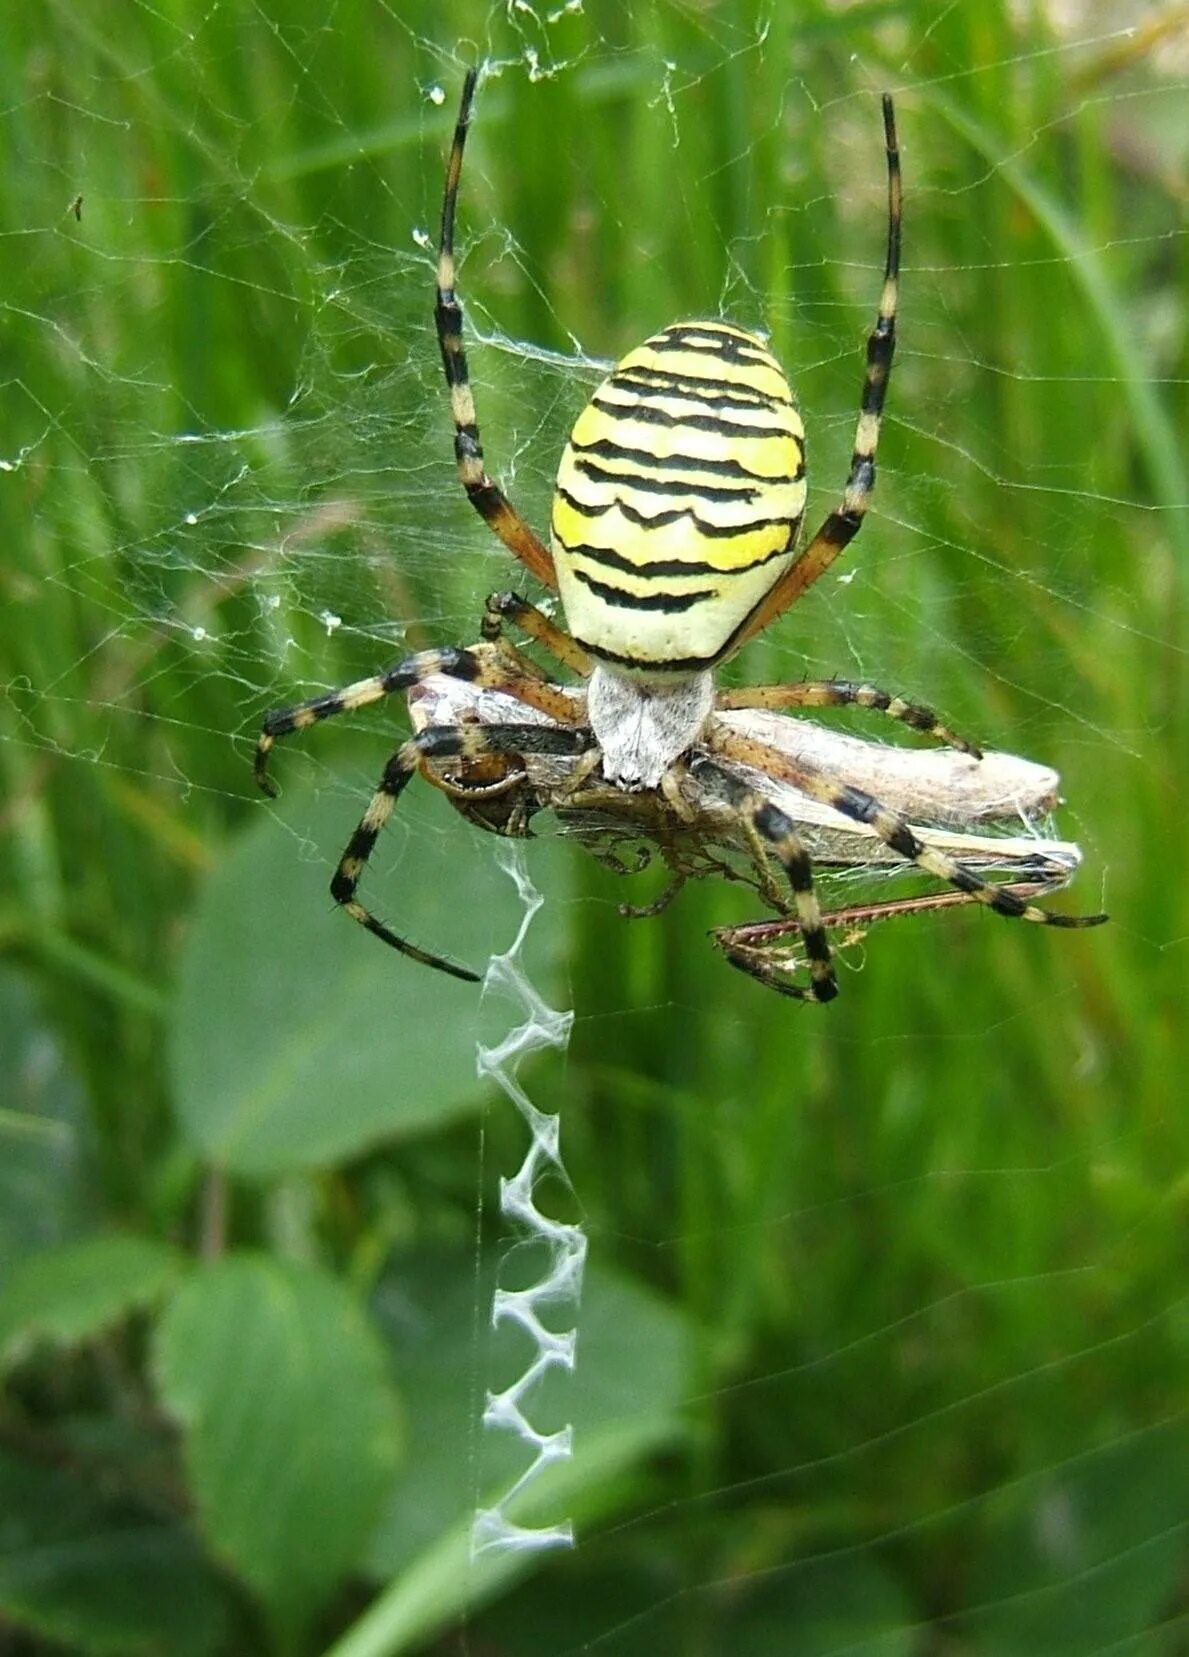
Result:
{"points": [[884, 1343]]}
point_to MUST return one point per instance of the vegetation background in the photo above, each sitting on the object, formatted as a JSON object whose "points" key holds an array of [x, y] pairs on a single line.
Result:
{"points": [[884, 1344]]}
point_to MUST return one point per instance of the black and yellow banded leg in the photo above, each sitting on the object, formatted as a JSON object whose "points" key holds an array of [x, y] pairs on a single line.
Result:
{"points": [[480, 666], [843, 524], [846, 693], [895, 832], [510, 607], [768, 957], [779, 830], [763, 948], [470, 742], [488, 499], [891, 828]]}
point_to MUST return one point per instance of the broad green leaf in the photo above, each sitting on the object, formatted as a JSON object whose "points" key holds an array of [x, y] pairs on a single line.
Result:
{"points": [[289, 1424], [73, 1293], [43, 1196], [98, 1576], [299, 1039], [622, 1399]]}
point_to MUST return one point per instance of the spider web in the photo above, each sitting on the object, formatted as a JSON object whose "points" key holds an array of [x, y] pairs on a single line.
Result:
{"points": [[907, 1280]]}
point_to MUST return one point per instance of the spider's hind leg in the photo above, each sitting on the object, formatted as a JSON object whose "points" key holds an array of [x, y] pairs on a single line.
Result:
{"points": [[484, 494], [844, 523]]}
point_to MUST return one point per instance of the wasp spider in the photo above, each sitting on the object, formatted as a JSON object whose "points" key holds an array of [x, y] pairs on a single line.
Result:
{"points": [[674, 541]]}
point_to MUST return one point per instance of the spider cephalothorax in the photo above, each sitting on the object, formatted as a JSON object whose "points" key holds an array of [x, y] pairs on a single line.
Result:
{"points": [[674, 541]]}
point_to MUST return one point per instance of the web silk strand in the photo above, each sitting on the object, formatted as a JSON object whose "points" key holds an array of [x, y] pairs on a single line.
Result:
{"points": [[560, 1287]]}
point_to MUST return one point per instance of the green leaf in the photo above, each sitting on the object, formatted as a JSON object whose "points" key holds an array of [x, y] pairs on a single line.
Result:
{"points": [[103, 1579], [289, 1422], [74, 1293], [632, 1372], [299, 1039], [43, 1196]]}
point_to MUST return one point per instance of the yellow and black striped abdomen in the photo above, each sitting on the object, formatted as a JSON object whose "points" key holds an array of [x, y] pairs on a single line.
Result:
{"points": [[679, 498]]}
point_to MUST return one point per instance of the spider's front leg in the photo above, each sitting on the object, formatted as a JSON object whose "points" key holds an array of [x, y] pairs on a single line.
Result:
{"points": [[481, 665], [758, 816], [438, 742], [889, 825]]}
